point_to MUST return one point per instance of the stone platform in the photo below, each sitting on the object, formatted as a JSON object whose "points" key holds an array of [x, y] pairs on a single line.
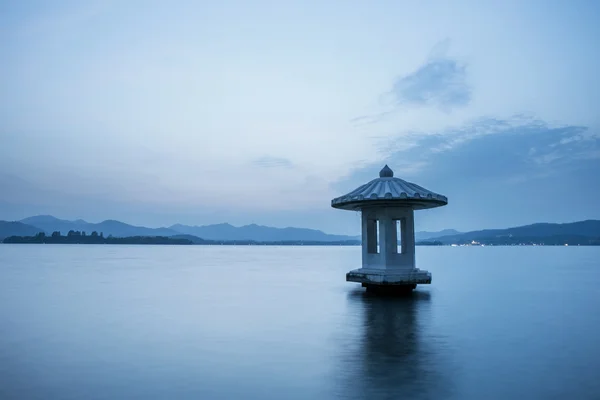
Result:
{"points": [[389, 280]]}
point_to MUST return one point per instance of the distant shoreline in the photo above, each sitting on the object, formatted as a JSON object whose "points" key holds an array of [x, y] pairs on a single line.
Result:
{"points": [[580, 233], [77, 238], [197, 244], [166, 241]]}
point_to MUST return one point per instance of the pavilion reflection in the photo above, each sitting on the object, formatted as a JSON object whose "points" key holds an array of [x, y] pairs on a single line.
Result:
{"points": [[392, 359]]}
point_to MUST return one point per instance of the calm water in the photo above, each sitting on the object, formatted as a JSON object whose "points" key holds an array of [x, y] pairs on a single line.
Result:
{"points": [[160, 322]]}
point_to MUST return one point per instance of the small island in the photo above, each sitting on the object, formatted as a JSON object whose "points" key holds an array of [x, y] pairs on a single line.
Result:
{"points": [[76, 237]]}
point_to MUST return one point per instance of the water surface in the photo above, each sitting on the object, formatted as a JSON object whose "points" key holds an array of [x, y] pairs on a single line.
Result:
{"points": [[253, 322]]}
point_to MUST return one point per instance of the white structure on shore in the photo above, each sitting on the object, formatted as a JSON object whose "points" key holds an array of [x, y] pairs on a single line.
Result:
{"points": [[387, 206]]}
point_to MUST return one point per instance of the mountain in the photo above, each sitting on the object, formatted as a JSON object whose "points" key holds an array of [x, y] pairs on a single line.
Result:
{"points": [[15, 228], [253, 232], [258, 233], [121, 229], [535, 232], [50, 224], [575, 232], [424, 235], [197, 240]]}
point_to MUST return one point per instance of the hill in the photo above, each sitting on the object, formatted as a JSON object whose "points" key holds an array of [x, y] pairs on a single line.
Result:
{"points": [[541, 232], [424, 235], [575, 232], [259, 233], [197, 240], [51, 224], [15, 228]]}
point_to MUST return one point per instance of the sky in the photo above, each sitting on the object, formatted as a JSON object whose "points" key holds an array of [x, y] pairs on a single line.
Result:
{"points": [[201, 112]]}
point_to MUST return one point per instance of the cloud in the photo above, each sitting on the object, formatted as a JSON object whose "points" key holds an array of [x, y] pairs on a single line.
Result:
{"points": [[489, 147], [498, 172], [273, 162], [440, 83]]}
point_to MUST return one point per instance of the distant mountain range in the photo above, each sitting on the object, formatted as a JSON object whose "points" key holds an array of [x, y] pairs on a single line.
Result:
{"points": [[48, 224], [583, 232], [424, 235], [258, 233], [575, 232]]}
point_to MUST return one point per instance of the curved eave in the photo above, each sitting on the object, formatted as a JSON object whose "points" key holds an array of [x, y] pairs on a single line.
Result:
{"points": [[415, 204]]}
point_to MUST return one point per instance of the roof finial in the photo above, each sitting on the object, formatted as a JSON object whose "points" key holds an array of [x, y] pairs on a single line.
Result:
{"points": [[386, 172]]}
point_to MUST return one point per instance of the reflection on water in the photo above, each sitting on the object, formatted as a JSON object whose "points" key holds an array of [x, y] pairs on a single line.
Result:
{"points": [[392, 358]]}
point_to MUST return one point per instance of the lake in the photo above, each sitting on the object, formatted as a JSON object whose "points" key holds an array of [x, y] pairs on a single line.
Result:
{"points": [[254, 322]]}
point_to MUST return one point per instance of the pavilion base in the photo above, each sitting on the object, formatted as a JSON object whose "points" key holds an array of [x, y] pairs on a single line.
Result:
{"points": [[389, 290], [389, 281]]}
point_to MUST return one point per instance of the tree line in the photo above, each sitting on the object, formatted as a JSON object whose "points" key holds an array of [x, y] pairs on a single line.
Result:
{"points": [[77, 237]]}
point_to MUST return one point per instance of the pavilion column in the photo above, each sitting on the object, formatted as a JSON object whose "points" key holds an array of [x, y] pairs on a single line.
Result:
{"points": [[370, 254], [389, 239], [408, 238]]}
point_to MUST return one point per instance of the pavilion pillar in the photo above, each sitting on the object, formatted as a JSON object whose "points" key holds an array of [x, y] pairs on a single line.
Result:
{"points": [[371, 255], [389, 239], [407, 227]]}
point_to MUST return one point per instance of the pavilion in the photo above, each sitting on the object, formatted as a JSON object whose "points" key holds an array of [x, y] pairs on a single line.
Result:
{"points": [[387, 207]]}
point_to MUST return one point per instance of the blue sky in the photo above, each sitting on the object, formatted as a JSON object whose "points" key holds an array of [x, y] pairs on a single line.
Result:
{"points": [[261, 111]]}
